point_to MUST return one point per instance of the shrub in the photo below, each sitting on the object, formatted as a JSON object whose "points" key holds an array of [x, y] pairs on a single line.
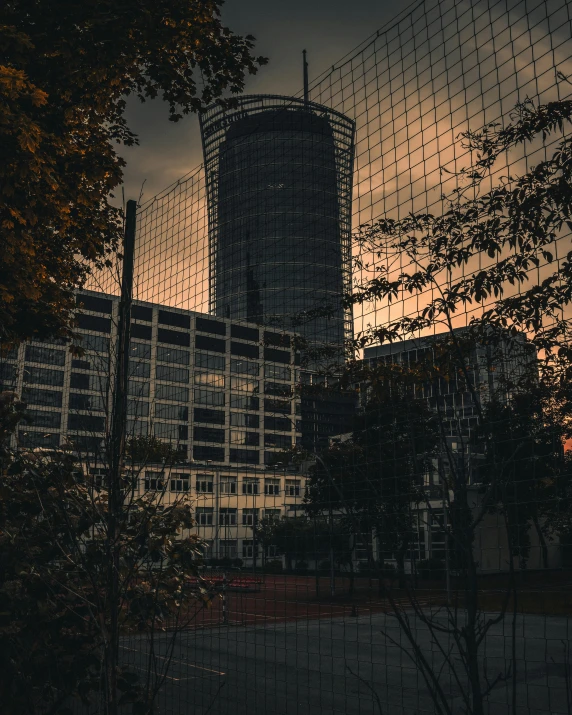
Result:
{"points": [[430, 569], [274, 566]]}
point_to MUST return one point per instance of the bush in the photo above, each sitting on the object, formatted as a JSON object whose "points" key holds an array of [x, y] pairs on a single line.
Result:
{"points": [[324, 565], [302, 565], [387, 570], [274, 566], [430, 569]]}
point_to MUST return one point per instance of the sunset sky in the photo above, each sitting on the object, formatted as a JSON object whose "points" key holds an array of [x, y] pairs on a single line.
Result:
{"points": [[327, 29]]}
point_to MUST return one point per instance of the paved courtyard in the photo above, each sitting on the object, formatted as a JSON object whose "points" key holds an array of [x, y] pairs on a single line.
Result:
{"points": [[348, 665]]}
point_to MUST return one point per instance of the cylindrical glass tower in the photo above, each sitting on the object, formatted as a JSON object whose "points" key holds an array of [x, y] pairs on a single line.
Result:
{"points": [[279, 182]]}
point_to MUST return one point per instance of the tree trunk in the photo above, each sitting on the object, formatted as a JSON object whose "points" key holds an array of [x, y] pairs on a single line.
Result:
{"points": [[542, 540], [400, 559], [352, 578]]}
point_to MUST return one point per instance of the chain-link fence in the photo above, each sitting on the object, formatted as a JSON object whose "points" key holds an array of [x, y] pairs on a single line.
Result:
{"points": [[349, 365]]}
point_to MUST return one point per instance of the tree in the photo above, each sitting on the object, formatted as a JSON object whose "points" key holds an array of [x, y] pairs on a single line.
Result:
{"points": [[292, 536], [55, 600], [525, 435], [481, 254], [66, 70], [376, 477]]}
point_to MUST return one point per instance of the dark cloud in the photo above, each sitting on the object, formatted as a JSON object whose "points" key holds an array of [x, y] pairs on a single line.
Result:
{"points": [[327, 29]]}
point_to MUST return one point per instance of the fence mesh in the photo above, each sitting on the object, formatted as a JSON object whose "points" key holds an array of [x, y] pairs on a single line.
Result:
{"points": [[377, 475]]}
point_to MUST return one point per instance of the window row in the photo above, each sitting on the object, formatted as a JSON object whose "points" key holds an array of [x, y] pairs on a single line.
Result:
{"points": [[175, 319], [249, 485], [205, 516]]}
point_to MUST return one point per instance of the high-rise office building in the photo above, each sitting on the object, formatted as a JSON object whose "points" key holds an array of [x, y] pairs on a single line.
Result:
{"points": [[279, 188], [279, 181], [219, 391]]}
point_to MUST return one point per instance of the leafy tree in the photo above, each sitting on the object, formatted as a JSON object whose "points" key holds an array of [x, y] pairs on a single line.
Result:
{"points": [[376, 477], [66, 70], [525, 436], [293, 537], [148, 449], [481, 255], [56, 628]]}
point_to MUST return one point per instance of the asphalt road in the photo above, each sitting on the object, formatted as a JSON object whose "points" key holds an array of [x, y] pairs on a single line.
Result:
{"points": [[349, 666]]}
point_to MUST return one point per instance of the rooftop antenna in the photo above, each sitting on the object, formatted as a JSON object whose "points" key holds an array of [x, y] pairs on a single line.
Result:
{"points": [[305, 78]]}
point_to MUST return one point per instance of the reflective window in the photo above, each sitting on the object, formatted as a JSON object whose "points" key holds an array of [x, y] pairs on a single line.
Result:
{"points": [[173, 337], [36, 396], [244, 367], [277, 388], [241, 419], [208, 434], [211, 362], [93, 322], [137, 408], [7, 373], [95, 343], [172, 374], [139, 369], [205, 325], [216, 345], [138, 389], [277, 372], [91, 302], [33, 440], [244, 402], [142, 332], [282, 424], [49, 356], [282, 441], [140, 350], [170, 432], [86, 423], [173, 355], [38, 418], [205, 453], [137, 427], [172, 392], [244, 384], [251, 439], [81, 364], [43, 376], [201, 414], [139, 312], [212, 379], [171, 412], [277, 406], [179, 320], [206, 397]]}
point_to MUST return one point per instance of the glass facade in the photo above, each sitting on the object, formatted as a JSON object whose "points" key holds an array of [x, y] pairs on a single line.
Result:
{"points": [[279, 192], [211, 407]]}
